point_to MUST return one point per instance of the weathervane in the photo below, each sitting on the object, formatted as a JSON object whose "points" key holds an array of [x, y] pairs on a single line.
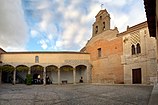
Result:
{"points": [[101, 6]]}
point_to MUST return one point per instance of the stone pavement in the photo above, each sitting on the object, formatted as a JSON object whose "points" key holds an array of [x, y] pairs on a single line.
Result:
{"points": [[154, 96], [79, 94]]}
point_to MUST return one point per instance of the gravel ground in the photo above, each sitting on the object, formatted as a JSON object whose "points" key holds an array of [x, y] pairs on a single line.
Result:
{"points": [[79, 94]]}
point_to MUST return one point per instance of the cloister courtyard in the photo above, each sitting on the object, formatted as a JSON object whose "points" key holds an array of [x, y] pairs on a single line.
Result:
{"points": [[74, 94]]}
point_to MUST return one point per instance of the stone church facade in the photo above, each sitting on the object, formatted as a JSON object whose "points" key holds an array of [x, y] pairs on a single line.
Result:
{"points": [[108, 57], [128, 57], [105, 50]]}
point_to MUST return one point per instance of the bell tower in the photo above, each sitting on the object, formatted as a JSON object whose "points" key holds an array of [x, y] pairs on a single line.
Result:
{"points": [[102, 22]]}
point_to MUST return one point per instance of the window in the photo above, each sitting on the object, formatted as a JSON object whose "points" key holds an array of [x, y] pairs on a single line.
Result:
{"points": [[138, 48], [103, 25], [100, 17], [145, 32], [99, 52], [133, 50], [96, 29], [36, 59]]}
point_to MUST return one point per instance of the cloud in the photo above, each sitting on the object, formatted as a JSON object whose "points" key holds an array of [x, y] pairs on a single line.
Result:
{"points": [[34, 33], [129, 14], [44, 44], [13, 29], [67, 25]]}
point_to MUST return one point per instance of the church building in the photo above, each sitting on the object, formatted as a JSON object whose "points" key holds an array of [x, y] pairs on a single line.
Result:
{"points": [[108, 57]]}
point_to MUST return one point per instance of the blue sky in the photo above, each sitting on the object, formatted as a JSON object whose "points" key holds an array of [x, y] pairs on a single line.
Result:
{"points": [[60, 25]]}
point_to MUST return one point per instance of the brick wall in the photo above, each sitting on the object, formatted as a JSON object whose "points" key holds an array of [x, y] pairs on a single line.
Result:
{"points": [[107, 68]]}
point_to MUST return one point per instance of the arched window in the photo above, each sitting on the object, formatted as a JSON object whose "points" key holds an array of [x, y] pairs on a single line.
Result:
{"points": [[100, 17], [103, 25], [99, 52], [36, 59], [133, 50], [96, 29], [138, 48]]}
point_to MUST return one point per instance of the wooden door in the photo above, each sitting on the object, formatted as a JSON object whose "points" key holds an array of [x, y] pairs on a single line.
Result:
{"points": [[136, 75]]}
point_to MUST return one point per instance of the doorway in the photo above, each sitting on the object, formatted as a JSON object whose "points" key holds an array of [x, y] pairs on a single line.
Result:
{"points": [[37, 79], [136, 76], [7, 76]]}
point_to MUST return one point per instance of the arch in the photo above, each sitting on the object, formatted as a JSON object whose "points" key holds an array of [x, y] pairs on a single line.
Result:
{"points": [[66, 73], [8, 67], [80, 66], [36, 59], [99, 52], [7, 73], [21, 72], [51, 74], [133, 49], [138, 48], [100, 17], [96, 29], [51, 68], [37, 74], [22, 68], [37, 67], [103, 25], [66, 68], [81, 73]]}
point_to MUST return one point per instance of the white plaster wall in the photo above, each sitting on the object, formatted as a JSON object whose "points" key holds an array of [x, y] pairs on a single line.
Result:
{"points": [[80, 73], [53, 76], [66, 75]]}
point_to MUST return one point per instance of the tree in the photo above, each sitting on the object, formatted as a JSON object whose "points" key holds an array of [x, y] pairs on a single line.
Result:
{"points": [[22, 68], [28, 79]]}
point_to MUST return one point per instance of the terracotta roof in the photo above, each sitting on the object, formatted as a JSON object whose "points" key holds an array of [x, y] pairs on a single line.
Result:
{"points": [[2, 51], [134, 28]]}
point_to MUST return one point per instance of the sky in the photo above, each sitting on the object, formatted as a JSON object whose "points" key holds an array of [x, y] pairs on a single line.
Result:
{"points": [[60, 25]]}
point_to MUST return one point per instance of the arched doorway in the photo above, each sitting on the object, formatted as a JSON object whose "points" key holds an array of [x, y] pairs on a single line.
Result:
{"points": [[81, 73], [21, 72], [66, 74], [7, 73], [37, 74], [51, 74]]}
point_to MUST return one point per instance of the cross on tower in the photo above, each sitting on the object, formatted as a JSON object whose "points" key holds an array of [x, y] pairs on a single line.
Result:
{"points": [[101, 6]]}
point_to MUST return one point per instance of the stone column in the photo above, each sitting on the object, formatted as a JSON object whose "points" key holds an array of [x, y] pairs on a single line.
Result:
{"points": [[29, 71], [44, 76], [88, 73], [74, 76], [0, 76], [59, 76], [14, 76]]}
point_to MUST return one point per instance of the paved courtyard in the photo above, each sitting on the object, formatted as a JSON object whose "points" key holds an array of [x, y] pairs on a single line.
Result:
{"points": [[79, 94]]}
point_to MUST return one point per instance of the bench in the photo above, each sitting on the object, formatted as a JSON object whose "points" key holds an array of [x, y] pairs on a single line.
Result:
{"points": [[64, 81]]}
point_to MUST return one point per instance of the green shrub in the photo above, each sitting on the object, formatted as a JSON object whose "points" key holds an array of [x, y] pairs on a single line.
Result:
{"points": [[28, 79]]}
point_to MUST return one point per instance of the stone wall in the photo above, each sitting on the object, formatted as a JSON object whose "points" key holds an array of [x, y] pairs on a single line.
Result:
{"points": [[146, 60]]}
